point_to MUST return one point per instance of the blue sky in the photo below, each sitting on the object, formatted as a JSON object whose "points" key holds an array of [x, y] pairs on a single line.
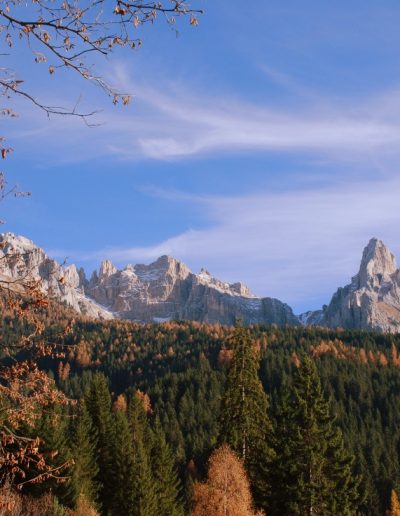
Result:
{"points": [[263, 144]]}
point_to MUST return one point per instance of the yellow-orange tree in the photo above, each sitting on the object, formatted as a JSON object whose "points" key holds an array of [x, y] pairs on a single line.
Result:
{"points": [[227, 489], [394, 505]]}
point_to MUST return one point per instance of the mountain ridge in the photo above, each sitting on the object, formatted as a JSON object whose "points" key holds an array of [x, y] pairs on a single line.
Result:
{"points": [[163, 290], [167, 289]]}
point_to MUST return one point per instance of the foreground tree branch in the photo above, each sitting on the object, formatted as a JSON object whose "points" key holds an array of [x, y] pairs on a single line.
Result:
{"points": [[63, 34]]}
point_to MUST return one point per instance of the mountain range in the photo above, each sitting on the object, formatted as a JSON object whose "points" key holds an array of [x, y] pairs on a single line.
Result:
{"points": [[167, 290]]}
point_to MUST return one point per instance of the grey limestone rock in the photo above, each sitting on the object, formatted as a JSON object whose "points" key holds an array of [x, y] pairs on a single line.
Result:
{"points": [[163, 290], [21, 259], [166, 289], [372, 300]]}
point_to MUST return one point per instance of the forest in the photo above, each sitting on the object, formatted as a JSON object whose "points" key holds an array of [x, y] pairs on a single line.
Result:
{"points": [[153, 412], [117, 418]]}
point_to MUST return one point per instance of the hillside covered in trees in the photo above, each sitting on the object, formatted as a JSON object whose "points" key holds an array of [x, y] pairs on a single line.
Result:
{"points": [[153, 402]]}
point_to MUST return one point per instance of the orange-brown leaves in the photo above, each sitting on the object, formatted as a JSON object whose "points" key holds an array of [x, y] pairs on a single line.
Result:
{"points": [[395, 356], [382, 359], [120, 404], [394, 505], [119, 10], [295, 359], [344, 351], [83, 358], [145, 399], [13, 503], [363, 356], [63, 371], [25, 390], [83, 508], [227, 490], [225, 356]]}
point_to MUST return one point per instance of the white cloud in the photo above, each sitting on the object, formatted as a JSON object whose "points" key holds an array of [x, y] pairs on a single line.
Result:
{"points": [[190, 129], [298, 246], [165, 122], [294, 245]]}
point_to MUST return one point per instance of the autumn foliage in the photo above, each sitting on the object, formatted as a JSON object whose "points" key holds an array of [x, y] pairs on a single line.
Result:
{"points": [[26, 391], [394, 505], [227, 490]]}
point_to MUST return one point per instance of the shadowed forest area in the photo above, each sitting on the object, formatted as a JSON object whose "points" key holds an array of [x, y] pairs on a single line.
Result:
{"points": [[312, 415]]}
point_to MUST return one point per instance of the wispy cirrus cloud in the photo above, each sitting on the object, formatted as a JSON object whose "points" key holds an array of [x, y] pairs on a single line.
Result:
{"points": [[166, 122], [191, 126], [298, 246]]}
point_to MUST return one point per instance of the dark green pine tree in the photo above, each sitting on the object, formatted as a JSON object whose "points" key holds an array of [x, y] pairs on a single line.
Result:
{"points": [[53, 431], [168, 486], [84, 451], [124, 481], [145, 494], [98, 403], [313, 473], [244, 422], [346, 496]]}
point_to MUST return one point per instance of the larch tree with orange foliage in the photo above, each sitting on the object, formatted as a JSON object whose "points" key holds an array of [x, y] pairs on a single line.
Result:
{"points": [[394, 505], [227, 489]]}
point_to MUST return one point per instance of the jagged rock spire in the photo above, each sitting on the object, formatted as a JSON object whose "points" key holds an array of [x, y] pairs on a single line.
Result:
{"points": [[377, 264], [107, 269], [372, 300]]}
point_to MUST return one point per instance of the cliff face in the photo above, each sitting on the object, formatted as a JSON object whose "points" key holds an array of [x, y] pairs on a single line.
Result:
{"points": [[167, 289], [372, 300], [21, 259]]}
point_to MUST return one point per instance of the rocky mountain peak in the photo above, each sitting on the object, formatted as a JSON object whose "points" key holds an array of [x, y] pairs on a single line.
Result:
{"points": [[71, 276], [165, 262], [167, 289], [377, 265], [17, 240], [160, 291], [371, 301], [21, 258], [107, 269], [241, 289], [12, 244], [167, 265]]}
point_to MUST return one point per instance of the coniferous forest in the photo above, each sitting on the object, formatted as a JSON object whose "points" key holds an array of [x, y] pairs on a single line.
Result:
{"points": [[259, 139], [304, 420]]}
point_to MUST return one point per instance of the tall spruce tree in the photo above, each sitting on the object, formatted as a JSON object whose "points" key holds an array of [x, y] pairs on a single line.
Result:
{"points": [[313, 473], [124, 480], [53, 430], [145, 494], [168, 486], [244, 423], [84, 451], [98, 402]]}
